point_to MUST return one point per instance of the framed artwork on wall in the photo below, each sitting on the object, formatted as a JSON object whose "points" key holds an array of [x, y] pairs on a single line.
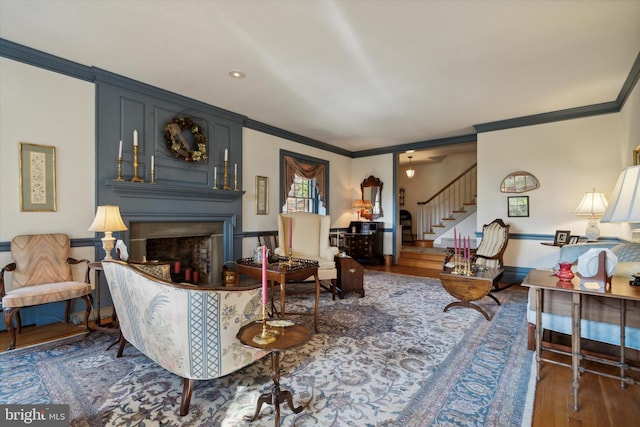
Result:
{"points": [[262, 195], [636, 156], [518, 206], [37, 178]]}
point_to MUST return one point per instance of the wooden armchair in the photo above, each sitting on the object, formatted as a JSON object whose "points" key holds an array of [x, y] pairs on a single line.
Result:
{"points": [[188, 330], [495, 237], [41, 273]]}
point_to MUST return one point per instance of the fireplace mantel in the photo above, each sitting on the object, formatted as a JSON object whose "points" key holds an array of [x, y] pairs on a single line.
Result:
{"points": [[164, 191]]}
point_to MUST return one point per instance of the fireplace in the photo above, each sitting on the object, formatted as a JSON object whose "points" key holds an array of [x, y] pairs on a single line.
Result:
{"points": [[193, 249]]}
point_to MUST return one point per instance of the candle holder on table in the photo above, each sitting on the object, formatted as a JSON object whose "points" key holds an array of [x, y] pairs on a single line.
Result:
{"points": [[266, 336], [135, 178], [225, 185]]}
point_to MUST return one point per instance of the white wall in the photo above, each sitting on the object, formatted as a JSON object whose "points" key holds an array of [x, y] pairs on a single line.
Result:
{"points": [[42, 107], [261, 157], [569, 158]]}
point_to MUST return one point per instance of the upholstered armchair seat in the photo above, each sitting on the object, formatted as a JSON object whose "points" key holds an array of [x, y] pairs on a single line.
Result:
{"points": [[495, 237], [309, 240], [188, 330], [41, 273]]}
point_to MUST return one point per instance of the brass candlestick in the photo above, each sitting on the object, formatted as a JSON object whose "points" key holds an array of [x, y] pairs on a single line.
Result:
{"points": [[135, 178], [290, 256], [266, 336], [235, 182], [153, 176], [225, 185], [119, 178], [215, 183]]}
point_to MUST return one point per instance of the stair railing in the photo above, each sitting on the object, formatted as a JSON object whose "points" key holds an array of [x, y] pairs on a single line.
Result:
{"points": [[433, 212]]}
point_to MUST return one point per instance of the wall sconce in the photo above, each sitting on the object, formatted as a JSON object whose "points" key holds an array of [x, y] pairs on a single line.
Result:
{"points": [[625, 202], [411, 171], [108, 220], [592, 205]]}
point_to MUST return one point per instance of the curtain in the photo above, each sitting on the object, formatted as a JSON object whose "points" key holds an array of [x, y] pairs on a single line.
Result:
{"points": [[308, 170]]}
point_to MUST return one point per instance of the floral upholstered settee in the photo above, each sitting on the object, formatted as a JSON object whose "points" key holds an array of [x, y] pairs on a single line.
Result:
{"points": [[600, 315], [188, 330]]}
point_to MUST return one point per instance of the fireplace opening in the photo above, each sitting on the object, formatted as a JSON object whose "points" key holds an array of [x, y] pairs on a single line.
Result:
{"points": [[194, 250]]}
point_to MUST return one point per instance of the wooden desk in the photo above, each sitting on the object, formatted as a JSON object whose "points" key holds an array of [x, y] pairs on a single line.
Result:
{"points": [[281, 273], [471, 288], [288, 337], [619, 289]]}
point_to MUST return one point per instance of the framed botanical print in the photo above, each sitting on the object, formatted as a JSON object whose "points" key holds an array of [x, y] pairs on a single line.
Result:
{"points": [[262, 195], [518, 206], [37, 178], [636, 156]]}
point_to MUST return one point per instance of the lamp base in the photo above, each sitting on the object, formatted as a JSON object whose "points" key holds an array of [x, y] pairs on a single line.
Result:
{"points": [[108, 243], [592, 232]]}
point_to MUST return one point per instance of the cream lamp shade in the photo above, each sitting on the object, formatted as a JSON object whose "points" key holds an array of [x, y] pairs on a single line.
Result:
{"points": [[108, 220], [592, 206], [625, 201]]}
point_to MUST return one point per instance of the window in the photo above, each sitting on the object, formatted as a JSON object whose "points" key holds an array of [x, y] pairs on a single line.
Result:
{"points": [[303, 183]]}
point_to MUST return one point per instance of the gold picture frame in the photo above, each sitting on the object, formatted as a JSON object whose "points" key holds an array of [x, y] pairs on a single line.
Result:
{"points": [[636, 156], [37, 178], [262, 195]]}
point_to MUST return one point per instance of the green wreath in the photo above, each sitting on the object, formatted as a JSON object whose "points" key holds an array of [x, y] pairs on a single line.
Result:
{"points": [[179, 146]]}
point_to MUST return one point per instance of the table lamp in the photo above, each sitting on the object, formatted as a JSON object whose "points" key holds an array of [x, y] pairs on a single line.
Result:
{"points": [[593, 206], [358, 205], [625, 202], [108, 220]]}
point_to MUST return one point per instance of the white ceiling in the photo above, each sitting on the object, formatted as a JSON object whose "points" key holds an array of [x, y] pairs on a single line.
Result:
{"points": [[355, 74]]}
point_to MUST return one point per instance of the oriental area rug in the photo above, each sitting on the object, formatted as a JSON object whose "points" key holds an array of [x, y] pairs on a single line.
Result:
{"points": [[392, 358]]}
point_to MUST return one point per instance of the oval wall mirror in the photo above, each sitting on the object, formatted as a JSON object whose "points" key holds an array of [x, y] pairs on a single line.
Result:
{"points": [[371, 190]]}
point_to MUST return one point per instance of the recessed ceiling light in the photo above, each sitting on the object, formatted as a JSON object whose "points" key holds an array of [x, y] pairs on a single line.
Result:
{"points": [[410, 151], [237, 74]]}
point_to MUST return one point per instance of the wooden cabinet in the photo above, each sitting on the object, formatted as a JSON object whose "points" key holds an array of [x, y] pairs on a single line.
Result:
{"points": [[350, 276], [364, 241]]}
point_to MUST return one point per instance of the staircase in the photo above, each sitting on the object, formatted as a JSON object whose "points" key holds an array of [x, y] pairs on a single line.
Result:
{"points": [[455, 202]]}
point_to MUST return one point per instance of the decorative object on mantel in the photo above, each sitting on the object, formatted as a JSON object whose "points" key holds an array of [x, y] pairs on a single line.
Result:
{"points": [[178, 146], [519, 182], [135, 178], [593, 206], [625, 202], [119, 178]]}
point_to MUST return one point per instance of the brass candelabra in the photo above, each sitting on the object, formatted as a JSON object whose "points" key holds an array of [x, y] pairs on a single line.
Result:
{"points": [[266, 336], [135, 178], [225, 185], [119, 178], [462, 266]]}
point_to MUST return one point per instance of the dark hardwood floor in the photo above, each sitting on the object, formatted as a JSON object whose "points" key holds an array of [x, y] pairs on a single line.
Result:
{"points": [[602, 402]]}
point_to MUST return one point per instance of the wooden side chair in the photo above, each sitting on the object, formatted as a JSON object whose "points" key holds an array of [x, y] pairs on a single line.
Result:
{"points": [[495, 237], [268, 239], [41, 273]]}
